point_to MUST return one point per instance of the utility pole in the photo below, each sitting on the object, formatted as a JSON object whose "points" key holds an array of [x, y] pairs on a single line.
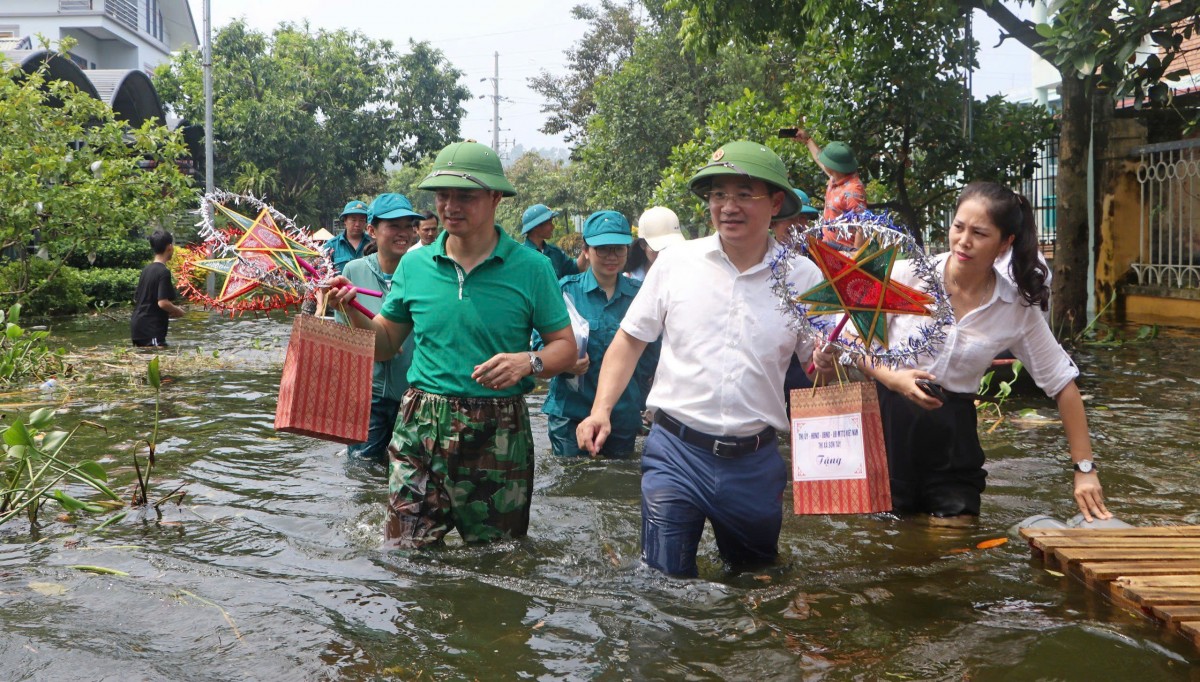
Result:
{"points": [[495, 79], [496, 105], [208, 98], [211, 281]]}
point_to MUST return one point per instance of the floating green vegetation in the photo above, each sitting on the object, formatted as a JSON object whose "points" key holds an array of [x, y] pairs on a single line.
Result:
{"points": [[34, 469], [25, 354]]}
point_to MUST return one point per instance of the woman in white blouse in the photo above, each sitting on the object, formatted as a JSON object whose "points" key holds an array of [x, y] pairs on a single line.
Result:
{"points": [[929, 416]]}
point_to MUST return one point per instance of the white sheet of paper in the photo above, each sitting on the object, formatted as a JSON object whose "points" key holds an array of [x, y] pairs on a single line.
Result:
{"points": [[828, 448]]}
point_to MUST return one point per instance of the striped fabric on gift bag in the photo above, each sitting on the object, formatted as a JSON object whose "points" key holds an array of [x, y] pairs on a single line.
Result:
{"points": [[325, 391]]}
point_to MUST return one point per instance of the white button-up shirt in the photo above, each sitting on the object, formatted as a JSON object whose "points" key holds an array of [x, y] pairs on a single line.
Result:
{"points": [[726, 341], [1006, 321]]}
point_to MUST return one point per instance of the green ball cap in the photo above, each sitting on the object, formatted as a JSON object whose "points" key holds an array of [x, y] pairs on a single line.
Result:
{"points": [[748, 159], [391, 207], [468, 165], [607, 228], [359, 207], [536, 215], [837, 156]]}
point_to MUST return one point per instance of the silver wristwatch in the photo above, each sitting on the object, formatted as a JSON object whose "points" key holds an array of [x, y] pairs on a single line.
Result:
{"points": [[1085, 466], [535, 364]]}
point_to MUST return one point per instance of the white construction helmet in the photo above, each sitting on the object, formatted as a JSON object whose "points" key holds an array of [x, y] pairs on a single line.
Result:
{"points": [[659, 226]]}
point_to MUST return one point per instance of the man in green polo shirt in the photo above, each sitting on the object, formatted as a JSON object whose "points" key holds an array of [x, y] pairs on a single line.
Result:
{"points": [[537, 226], [462, 452]]}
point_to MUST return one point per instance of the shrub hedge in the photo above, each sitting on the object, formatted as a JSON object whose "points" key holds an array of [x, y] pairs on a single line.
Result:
{"points": [[107, 286], [117, 253], [62, 295]]}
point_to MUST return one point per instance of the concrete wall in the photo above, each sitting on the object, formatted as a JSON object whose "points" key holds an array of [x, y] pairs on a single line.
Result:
{"points": [[1119, 196]]}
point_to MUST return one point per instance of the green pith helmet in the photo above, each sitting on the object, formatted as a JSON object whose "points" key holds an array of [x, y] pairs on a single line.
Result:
{"points": [[468, 165], [748, 159], [839, 157]]}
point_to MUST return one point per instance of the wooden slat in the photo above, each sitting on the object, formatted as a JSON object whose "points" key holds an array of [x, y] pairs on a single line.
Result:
{"points": [[1134, 582], [1110, 570], [1176, 613], [1152, 570], [1150, 596], [1159, 531], [1124, 541], [1076, 554], [1192, 629]]}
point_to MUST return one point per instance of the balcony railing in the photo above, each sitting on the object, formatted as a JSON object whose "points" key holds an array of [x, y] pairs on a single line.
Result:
{"points": [[124, 11]]}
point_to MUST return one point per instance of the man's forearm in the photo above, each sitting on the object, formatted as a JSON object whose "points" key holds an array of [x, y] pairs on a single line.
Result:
{"points": [[620, 360]]}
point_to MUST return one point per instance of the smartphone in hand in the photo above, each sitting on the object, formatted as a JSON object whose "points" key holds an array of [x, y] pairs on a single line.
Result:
{"points": [[931, 389], [788, 133]]}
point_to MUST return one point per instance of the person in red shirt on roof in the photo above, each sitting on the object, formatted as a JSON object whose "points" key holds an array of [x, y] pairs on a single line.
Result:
{"points": [[845, 191]]}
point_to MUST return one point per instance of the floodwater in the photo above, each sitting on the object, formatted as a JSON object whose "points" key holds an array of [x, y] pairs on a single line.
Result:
{"points": [[272, 569]]}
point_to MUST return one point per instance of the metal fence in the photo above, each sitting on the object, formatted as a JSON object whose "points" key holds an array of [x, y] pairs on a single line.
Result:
{"points": [[1169, 215], [1038, 188]]}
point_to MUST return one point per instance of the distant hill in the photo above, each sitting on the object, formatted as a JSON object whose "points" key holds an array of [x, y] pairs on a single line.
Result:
{"points": [[553, 153]]}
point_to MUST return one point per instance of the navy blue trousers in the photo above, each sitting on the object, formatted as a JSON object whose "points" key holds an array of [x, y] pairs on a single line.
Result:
{"points": [[682, 485], [379, 433]]}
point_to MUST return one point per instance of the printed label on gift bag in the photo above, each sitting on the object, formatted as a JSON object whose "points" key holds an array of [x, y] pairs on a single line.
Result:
{"points": [[828, 448]]}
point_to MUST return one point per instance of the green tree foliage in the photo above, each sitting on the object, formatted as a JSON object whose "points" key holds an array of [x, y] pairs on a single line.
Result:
{"points": [[71, 181], [405, 179], [653, 103], [308, 118], [633, 94], [569, 98], [42, 287], [749, 117], [539, 180], [1099, 39], [900, 105], [1091, 41]]}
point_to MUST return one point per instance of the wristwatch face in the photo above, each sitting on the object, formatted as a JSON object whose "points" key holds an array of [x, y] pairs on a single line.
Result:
{"points": [[1084, 466], [536, 363]]}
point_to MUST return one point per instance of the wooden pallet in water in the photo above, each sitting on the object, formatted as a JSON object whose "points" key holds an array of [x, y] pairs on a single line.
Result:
{"points": [[1154, 571]]}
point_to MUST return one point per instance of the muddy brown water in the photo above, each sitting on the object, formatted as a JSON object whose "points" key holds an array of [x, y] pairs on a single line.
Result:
{"points": [[272, 569]]}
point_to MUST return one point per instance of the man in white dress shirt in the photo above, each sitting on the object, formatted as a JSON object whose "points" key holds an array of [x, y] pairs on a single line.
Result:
{"points": [[718, 392], [427, 230]]}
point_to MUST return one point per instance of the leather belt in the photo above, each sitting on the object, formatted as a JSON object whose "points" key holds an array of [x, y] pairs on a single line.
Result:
{"points": [[726, 447]]}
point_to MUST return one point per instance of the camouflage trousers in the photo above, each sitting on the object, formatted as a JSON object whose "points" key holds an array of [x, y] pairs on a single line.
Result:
{"points": [[464, 463]]}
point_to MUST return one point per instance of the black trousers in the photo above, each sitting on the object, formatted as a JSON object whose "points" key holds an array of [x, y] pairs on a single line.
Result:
{"points": [[934, 456]]}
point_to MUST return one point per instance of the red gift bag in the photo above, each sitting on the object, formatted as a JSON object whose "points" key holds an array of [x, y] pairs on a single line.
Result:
{"points": [[325, 391], [839, 461]]}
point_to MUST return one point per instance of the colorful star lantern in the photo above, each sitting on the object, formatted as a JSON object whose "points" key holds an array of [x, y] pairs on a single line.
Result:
{"points": [[861, 287], [260, 262], [264, 236]]}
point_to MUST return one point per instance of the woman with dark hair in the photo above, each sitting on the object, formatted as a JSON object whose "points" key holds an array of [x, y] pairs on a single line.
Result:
{"points": [[929, 417], [638, 262]]}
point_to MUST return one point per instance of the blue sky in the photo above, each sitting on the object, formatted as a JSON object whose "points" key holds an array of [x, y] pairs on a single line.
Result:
{"points": [[529, 35]]}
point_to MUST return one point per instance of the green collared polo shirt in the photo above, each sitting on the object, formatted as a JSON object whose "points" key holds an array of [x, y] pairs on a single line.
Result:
{"points": [[461, 319]]}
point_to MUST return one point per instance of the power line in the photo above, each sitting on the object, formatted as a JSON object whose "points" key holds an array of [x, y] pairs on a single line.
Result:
{"points": [[539, 28]]}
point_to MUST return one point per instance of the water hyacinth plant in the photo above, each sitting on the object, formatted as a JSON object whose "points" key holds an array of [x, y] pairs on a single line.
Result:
{"points": [[23, 353], [33, 470]]}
